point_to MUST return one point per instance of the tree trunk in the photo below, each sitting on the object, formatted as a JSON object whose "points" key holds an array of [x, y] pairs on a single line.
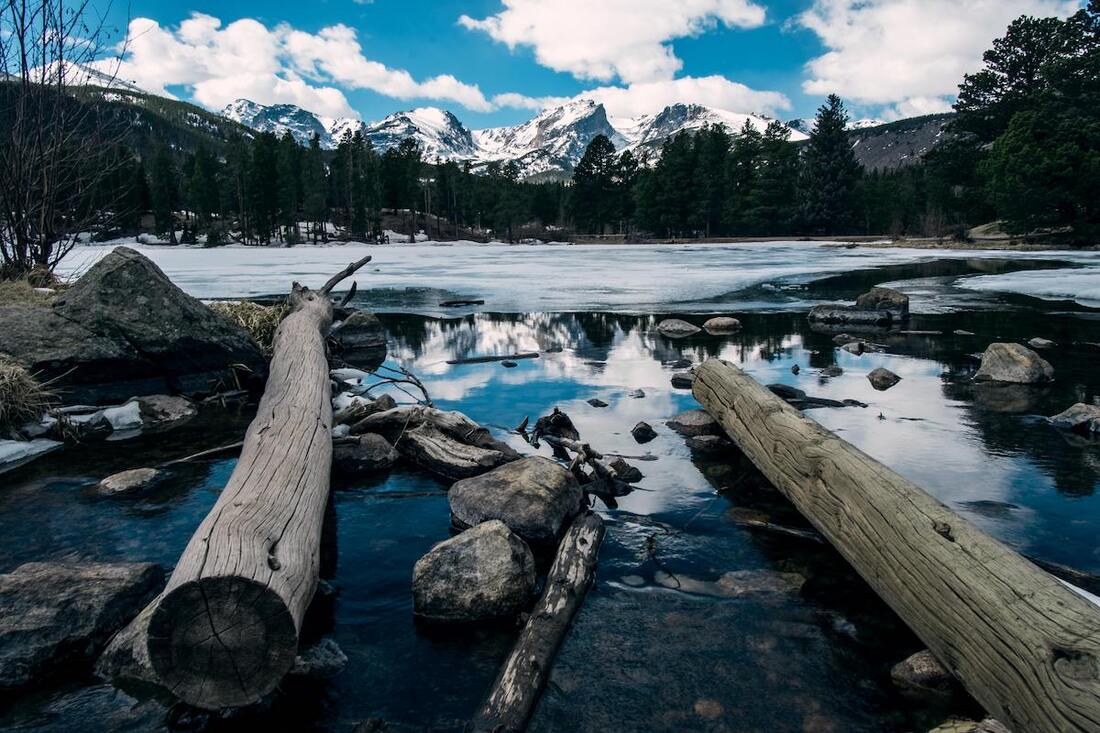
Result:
{"points": [[225, 630], [1022, 643], [516, 691]]}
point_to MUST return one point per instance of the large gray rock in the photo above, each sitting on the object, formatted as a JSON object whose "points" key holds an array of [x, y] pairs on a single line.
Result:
{"points": [[677, 328], [365, 455], [1013, 363], [695, 422], [534, 496], [882, 379], [1080, 418], [885, 299], [722, 325], [484, 573], [643, 432], [56, 617], [124, 329]]}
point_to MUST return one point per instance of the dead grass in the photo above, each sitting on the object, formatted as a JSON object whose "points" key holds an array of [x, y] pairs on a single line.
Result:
{"points": [[23, 398], [21, 292], [259, 320]]}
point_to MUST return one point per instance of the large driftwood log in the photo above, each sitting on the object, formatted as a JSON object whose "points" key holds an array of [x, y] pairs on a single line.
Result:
{"points": [[225, 630], [1023, 644], [517, 688]]}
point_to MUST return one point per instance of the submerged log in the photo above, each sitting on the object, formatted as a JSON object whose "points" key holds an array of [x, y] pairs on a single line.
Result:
{"points": [[1023, 644], [225, 630], [516, 690], [490, 359]]}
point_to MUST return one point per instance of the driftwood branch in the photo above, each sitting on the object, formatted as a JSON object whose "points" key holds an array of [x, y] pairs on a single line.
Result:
{"points": [[515, 692], [489, 359], [1022, 643], [342, 275]]}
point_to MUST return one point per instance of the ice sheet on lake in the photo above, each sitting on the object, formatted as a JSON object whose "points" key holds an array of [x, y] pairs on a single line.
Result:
{"points": [[1081, 285], [522, 278]]}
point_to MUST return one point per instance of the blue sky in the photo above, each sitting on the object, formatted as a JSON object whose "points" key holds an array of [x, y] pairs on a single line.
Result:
{"points": [[495, 62]]}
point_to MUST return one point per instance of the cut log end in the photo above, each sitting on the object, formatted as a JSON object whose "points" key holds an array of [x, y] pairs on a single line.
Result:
{"points": [[221, 642]]}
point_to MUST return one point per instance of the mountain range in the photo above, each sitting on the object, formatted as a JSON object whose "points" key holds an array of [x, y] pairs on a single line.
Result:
{"points": [[548, 145]]}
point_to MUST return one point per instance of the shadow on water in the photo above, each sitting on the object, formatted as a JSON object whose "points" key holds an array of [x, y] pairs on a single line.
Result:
{"points": [[699, 619]]}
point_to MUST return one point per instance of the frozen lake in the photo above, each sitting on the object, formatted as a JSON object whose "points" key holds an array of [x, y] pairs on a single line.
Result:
{"points": [[556, 278]]}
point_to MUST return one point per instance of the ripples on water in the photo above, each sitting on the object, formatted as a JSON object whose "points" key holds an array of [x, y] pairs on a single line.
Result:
{"points": [[642, 655]]}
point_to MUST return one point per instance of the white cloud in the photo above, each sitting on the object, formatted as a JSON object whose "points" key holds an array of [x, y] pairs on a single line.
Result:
{"points": [[712, 91], [608, 39], [908, 53], [219, 64]]}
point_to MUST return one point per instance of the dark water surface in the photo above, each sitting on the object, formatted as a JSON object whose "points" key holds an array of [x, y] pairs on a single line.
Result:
{"points": [[659, 644]]}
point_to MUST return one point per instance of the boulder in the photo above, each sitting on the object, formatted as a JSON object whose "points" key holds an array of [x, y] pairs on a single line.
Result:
{"points": [[676, 328], [124, 329], [597, 402], [1041, 343], [624, 471], [360, 340], [365, 454], [1080, 418], [708, 444], [56, 617], [683, 380], [882, 379], [1013, 363], [922, 678], [127, 482], [643, 432], [323, 660], [721, 325], [534, 497], [636, 394], [885, 299], [695, 422], [487, 572]]}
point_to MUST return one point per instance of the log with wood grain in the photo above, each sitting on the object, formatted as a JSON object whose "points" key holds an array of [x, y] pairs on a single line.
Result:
{"points": [[515, 692], [225, 630], [1021, 642]]}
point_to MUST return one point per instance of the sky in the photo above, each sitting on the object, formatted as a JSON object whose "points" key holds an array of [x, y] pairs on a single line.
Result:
{"points": [[497, 62]]}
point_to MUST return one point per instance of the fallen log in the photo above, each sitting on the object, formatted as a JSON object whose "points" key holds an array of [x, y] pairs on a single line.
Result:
{"points": [[1023, 644], [516, 690], [225, 630], [488, 359]]}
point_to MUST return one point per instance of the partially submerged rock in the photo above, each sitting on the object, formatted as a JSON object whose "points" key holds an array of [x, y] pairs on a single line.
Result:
{"points": [[486, 572], [127, 482], [1080, 418], [887, 300], [709, 444], [695, 422], [597, 402], [683, 380], [125, 329], [832, 371], [921, 677], [676, 328], [360, 340], [882, 379], [624, 471], [56, 617], [322, 661], [722, 325], [534, 497], [1041, 343], [643, 432], [362, 455], [879, 308], [734, 584], [1013, 363]]}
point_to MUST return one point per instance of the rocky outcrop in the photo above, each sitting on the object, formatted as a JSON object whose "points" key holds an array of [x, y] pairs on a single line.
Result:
{"points": [[362, 455], [877, 308], [1013, 363], [677, 328], [124, 329], [1080, 418], [56, 617], [533, 496], [486, 572]]}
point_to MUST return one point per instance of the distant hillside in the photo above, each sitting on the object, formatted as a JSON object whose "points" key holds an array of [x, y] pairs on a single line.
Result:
{"points": [[898, 144]]}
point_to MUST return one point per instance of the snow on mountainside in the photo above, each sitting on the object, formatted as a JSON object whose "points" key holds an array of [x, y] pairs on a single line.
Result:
{"points": [[805, 125], [439, 133], [282, 118], [646, 133]]}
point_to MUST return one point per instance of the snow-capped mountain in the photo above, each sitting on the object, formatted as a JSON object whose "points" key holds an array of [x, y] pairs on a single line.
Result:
{"points": [[805, 125], [440, 134], [551, 143]]}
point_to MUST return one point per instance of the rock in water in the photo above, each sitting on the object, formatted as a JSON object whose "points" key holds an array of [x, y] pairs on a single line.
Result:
{"points": [[722, 325], [636, 394], [1013, 363], [882, 379], [370, 453], [56, 617], [323, 660], [885, 299], [795, 370], [1080, 418], [124, 329], [597, 402], [708, 444], [1041, 343], [127, 482], [625, 472], [676, 328], [832, 371], [361, 340], [484, 573], [684, 380], [533, 496], [643, 432], [694, 422], [921, 677]]}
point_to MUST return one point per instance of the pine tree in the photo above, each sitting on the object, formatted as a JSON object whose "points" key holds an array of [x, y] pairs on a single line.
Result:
{"points": [[289, 185], [744, 161], [165, 192], [595, 197], [712, 147], [264, 185], [830, 173], [770, 206], [314, 193]]}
